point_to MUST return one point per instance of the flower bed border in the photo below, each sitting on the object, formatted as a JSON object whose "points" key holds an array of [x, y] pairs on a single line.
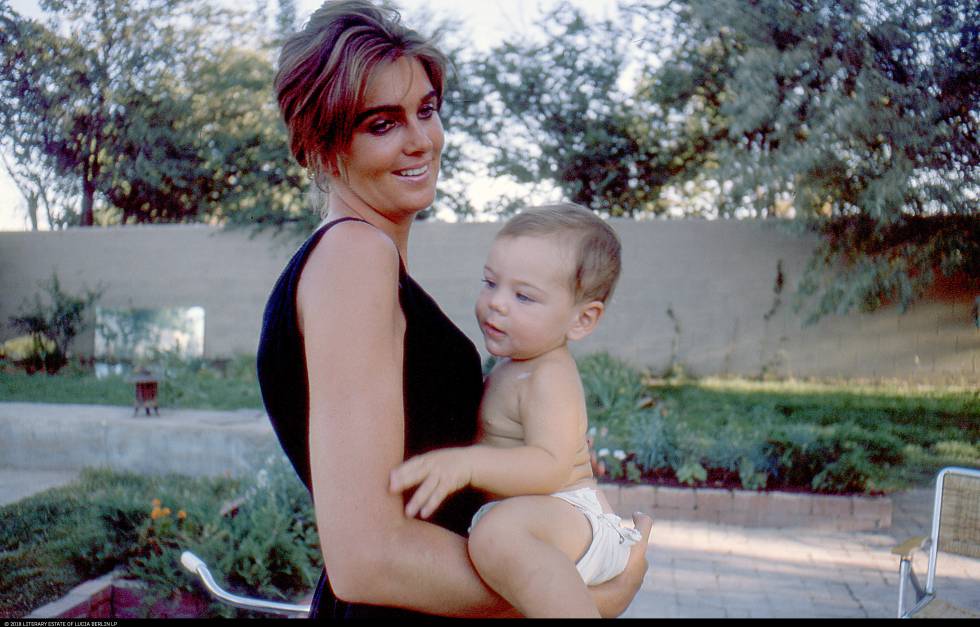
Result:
{"points": [[111, 596], [752, 509]]}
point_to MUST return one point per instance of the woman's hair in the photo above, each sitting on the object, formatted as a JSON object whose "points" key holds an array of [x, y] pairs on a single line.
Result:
{"points": [[324, 70], [598, 252]]}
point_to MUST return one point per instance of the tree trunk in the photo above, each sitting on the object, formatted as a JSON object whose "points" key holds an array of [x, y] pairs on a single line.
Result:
{"points": [[32, 210], [88, 202]]}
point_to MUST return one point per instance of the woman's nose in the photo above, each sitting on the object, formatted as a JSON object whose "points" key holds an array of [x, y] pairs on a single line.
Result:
{"points": [[418, 141]]}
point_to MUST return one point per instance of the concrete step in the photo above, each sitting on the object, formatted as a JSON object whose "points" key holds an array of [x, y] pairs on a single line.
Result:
{"points": [[46, 437]]}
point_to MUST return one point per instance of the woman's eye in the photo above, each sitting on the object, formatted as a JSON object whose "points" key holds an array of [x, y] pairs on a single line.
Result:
{"points": [[380, 127], [427, 111]]}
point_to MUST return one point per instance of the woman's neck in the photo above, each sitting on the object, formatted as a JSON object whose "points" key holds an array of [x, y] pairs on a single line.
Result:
{"points": [[397, 229]]}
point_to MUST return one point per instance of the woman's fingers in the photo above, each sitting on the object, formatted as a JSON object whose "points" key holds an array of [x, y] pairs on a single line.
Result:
{"points": [[643, 524], [638, 554]]}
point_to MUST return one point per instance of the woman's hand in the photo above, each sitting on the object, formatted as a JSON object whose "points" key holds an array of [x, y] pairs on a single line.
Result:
{"points": [[614, 596], [437, 473]]}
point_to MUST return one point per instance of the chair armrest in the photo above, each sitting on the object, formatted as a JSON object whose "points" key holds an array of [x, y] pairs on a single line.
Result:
{"points": [[911, 545]]}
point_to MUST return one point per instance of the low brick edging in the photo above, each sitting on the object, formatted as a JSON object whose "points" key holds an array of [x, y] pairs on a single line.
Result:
{"points": [[110, 596], [752, 509]]}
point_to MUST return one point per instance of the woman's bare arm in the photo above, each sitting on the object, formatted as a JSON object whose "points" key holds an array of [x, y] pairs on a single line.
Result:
{"points": [[353, 334]]}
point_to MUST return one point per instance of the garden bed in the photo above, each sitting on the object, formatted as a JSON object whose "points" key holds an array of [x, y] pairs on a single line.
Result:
{"points": [[749, 508], [112, 596]]}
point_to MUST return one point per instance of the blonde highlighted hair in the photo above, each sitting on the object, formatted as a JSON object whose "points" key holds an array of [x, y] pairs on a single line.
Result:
{"points": [[324, 70], [597, 249]]}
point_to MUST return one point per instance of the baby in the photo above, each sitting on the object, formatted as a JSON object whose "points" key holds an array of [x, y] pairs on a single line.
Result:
{"points": [[548, 276]]}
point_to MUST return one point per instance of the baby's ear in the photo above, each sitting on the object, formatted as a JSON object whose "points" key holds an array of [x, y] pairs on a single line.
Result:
{"points": [[586, 320]]}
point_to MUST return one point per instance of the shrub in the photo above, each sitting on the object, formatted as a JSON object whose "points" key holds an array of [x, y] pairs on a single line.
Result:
{"points": [[266, 546], [831, 439], [52, 326]]}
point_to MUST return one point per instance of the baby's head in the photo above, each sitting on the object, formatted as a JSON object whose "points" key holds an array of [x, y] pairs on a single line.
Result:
{"points": [[550, 272], [597, 253]]}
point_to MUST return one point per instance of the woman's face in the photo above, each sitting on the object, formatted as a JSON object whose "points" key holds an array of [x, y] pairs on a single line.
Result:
{"points": [[392, 164]]}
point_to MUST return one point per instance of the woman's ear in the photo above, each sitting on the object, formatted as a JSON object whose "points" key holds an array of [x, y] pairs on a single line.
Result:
{"points": [[586, 320]]}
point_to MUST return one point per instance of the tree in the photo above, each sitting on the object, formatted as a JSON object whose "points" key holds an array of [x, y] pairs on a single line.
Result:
{"points": [[862, 117], [554, 110], [36, 184], [67, 87], [24, 141], [154, 107]]}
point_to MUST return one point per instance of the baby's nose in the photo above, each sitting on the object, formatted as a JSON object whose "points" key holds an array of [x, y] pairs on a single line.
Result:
{"points": [[498, 304]]}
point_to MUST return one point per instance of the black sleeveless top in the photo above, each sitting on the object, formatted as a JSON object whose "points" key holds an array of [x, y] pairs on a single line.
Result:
{"points": [[442, 387]]}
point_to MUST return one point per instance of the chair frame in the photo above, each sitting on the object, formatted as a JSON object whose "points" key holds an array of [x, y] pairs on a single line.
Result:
{"points": [[923, 596], [196, 566]]}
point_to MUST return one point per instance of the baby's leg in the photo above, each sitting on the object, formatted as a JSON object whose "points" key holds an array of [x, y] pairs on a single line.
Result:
{"points": [[525, 548]]}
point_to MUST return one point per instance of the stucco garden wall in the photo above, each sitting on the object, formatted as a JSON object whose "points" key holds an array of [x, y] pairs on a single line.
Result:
{"points": [[715, 278]]}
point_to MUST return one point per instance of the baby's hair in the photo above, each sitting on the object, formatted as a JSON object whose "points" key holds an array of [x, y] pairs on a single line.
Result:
{"points": [[598, 252]]}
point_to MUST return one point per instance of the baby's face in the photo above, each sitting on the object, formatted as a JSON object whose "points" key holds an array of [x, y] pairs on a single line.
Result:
{"points": [[526, 306]]}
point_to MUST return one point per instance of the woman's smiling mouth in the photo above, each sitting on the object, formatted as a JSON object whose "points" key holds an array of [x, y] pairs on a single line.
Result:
{"points": [[413, 172]]}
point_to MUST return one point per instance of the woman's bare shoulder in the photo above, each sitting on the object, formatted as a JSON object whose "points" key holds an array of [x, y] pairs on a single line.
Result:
{"points": [[355, 245], [351, 254]]}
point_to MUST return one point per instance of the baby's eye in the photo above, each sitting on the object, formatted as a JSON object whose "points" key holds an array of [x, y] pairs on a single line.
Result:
{"points": [[488, 283], [524, 298]]}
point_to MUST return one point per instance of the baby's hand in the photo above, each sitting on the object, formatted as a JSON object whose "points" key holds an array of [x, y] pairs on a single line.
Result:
{"points": [[437, 473]]}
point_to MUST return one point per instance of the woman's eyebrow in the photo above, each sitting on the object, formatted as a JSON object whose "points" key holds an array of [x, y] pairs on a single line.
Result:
{"points": [[390, 108], [376, 110]]}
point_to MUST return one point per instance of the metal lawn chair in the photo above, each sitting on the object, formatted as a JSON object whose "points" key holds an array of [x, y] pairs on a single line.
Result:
{"points": [[955, 529], [196, 566]]}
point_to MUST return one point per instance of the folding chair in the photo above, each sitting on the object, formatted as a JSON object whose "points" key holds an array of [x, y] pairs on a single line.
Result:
{"points": [[196, 566], [955, 529]]}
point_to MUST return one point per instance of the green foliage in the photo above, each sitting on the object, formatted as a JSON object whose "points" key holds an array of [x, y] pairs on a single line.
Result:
{"points": [[52, 326], [267, 547], [823, 438], [150, 111], [54, 540], [861, 117], [551, 109]]}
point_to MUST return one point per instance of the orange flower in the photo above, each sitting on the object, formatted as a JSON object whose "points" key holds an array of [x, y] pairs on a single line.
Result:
{"points": [[166, 511], [181, 515], [156, 513], [156, 503]]}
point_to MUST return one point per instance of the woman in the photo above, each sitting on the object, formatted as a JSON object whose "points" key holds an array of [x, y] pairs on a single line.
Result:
{"points": [[359, 368]]}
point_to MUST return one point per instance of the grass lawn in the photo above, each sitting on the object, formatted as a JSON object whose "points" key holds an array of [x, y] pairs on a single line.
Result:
{"points": [[833, 437], [183, 388], [934, 427]]}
